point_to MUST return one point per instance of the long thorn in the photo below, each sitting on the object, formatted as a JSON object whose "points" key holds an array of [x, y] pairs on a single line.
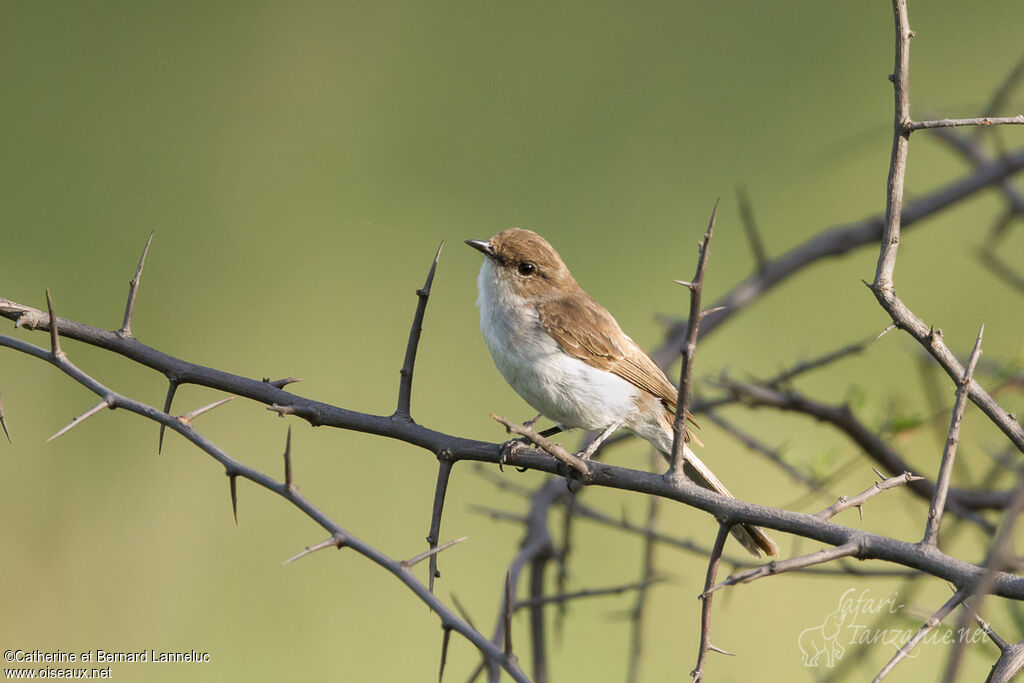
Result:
{"points": [[288, 458], [890, 328], [335, 541], [133, 289], [81, 418], [172, 387], [405, 382], [412, 561], [188, 417], [282, 383], [54, 336], [444, 652], [232, 479]]}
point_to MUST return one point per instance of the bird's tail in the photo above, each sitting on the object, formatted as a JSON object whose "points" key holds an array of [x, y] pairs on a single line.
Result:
{"points": [[753, 538]]}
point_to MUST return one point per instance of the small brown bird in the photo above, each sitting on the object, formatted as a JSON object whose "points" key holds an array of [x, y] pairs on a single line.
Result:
{"points": [[565, 355]]}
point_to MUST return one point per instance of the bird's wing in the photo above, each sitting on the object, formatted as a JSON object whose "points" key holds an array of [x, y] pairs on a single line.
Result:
{"points": [[601, 343]]}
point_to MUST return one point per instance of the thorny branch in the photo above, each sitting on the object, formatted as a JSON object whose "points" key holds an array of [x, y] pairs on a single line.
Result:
{"points": [[680, 435], [883, 286], [988, 578], [235, 469], [931, 534]]}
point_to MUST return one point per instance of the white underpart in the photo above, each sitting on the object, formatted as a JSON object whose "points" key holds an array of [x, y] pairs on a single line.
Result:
{"points": [[561, 387]]}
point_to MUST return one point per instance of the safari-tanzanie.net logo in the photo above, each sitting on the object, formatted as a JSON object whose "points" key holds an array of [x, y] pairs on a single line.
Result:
{"points": [[864, 619]]}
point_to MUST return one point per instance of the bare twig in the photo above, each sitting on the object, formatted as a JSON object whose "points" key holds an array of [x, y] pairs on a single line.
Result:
{"points": [[679, 432], [782, 566], [845, 503], [930, 623], [133, 290], [405, 385], [883, 286], [697, 674], [900, 143], [931, 532], [444, 470], [953, 123]]}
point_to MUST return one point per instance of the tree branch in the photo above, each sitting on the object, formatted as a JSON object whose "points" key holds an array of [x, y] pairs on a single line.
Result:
{"points": [[679, 432], [931, 533]]}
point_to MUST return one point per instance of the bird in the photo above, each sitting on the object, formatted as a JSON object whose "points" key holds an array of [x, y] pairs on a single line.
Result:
{"points": [[569, 359]]}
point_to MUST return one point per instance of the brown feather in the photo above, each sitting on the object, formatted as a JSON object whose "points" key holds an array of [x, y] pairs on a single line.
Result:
{"points": [[602, 343]]}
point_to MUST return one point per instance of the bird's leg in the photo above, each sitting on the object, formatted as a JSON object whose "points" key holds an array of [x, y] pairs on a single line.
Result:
{"points": [[593, 446], [551, 431]]}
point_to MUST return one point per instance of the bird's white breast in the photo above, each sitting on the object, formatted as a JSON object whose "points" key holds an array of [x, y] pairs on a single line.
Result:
{"points": [[561, 387]]}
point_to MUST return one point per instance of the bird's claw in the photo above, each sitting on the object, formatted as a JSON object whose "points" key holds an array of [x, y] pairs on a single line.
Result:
{"points": [[508, 449]]}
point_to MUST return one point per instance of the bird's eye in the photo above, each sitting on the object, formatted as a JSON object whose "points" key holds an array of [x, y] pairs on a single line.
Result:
{"points": [[526, 269]]}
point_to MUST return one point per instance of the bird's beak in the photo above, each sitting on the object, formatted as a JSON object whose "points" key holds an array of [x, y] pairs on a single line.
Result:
{"points": [[482, 246]]}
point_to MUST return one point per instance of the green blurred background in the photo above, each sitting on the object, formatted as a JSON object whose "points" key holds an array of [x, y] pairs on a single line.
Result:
{"points": [[299, 164]]}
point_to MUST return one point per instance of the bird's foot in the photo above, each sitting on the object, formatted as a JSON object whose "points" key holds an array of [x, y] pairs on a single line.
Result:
{"points": [[509, 450]]}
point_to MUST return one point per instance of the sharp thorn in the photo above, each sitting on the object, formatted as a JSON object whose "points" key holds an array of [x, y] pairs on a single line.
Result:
{"points": [[172, 387], [188, 417], [133, 290], [720, 650], [234, 494], [282, 383], [54, 335], [81, 418], [881, 334], [444, 652], [288, 458], [335, 541], [407, 564]]}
